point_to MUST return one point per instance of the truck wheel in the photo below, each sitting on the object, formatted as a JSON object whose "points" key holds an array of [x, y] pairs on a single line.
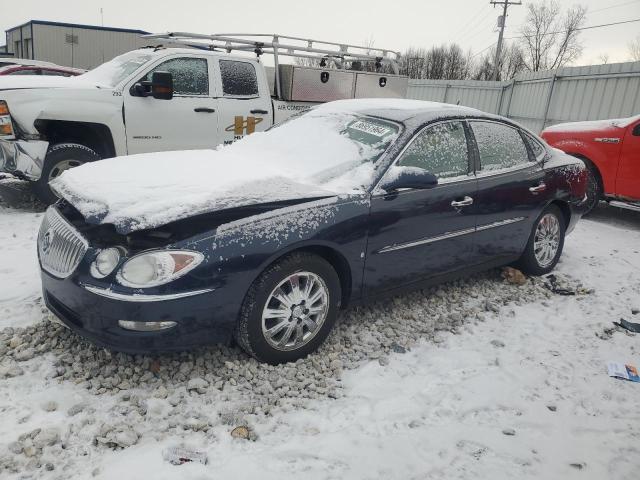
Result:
{"points": [[545, 244], [289, 309], [60, 157]]}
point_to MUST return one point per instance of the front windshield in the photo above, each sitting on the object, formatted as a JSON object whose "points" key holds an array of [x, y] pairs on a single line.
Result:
{"points": [[114, 71], [330, 149]]}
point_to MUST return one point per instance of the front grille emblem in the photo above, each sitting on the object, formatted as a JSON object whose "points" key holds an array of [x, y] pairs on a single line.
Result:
{"points": [[46, 240]]}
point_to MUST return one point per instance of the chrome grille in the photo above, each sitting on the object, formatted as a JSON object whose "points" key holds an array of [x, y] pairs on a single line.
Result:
{"points": [[60, 246]]}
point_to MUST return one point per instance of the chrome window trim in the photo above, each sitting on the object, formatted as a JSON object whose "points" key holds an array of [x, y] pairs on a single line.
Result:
{"points": [[377, 191], [142, 297], [448, 235]]}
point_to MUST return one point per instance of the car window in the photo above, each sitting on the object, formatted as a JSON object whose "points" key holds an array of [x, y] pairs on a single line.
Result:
{"points": [[24, 72], [499, 146], [440, 150], [238, 78], [539, 152], [190, 75]]}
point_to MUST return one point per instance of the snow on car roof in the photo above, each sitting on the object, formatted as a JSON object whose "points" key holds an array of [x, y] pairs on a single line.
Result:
{"points": [[399, 109], [592, 125]]}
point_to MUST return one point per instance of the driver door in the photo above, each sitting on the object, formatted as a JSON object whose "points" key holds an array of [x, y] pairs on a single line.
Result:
{"points": [[415, 234], [188, 121]]}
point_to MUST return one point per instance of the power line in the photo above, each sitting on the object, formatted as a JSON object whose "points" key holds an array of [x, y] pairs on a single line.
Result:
{"points": [[473, 17], [613, 6], [483, 50], [576, 29]]}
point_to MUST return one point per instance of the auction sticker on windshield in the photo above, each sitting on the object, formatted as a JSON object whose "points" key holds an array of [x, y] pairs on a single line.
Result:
{"points": [[370, 128]]}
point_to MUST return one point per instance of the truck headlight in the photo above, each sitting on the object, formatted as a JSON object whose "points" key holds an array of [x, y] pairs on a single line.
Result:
{"points": [[106, 261], [158, 267], [6, 126]]}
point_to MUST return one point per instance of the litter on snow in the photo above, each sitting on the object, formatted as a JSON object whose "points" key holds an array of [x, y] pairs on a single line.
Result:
{"points": [[182, 455], [624, 371]]}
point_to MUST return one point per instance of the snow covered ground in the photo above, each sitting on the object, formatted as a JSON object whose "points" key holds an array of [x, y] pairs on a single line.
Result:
{"points": [[473, 379]]}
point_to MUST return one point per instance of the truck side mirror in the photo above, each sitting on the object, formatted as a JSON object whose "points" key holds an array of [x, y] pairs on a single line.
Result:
{"points": [[636, 131], [160, 86]]}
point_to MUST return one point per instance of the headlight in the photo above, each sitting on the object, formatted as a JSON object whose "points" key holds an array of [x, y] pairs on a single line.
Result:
{"points": [[106, 261], [158, 267]]}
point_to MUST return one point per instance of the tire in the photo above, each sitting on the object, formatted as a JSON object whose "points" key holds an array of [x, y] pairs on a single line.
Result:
{"points": [[60, 157], [295, 318], [542, 264], [595, 190]]}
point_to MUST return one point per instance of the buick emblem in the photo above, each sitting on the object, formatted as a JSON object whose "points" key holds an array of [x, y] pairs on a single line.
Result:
{"points": [[46, 240]]}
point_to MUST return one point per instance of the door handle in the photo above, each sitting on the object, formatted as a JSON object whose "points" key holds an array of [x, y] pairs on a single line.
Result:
{"points": [[204, 110], [258, 111], [538, 188], [465, 202]]}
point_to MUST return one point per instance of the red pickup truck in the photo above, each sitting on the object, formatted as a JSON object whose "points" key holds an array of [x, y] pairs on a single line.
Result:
{"points": [[611, 151]]}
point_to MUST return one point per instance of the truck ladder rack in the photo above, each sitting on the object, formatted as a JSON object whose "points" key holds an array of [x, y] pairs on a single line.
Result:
{"points": [[277, 45]]}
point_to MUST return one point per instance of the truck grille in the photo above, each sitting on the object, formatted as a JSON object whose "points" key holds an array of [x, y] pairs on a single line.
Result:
{"points": [[60, 246]]}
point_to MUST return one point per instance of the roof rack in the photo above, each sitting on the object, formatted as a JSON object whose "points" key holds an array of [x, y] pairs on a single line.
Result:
{"points": [[282, 45]]}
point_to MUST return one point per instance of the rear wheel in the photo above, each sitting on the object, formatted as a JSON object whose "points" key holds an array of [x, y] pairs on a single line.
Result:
{"points": [[545, 245], [290, 309], [61, 157]]}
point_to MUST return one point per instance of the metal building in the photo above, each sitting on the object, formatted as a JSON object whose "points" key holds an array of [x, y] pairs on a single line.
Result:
{"points": [[72, 45]]}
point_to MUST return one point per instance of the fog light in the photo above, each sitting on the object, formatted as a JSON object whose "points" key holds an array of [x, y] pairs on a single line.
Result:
{"points": [[145, 326]]}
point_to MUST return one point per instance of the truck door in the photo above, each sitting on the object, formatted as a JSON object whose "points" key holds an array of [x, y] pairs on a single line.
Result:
{"points": [[628, 182], [188, 121], [244, 99]]}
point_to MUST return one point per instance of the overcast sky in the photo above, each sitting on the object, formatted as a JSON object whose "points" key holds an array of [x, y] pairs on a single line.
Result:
{"points": [[393, 24]]}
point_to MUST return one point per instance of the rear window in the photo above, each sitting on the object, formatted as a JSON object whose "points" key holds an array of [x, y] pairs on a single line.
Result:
{"points": [[238, 78]]}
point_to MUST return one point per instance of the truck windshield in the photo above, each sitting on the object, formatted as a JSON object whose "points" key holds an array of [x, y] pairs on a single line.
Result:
{"points": [[114, 71]]}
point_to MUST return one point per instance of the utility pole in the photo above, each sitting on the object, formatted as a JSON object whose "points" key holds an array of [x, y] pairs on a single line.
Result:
{"points": [[502, 21]]}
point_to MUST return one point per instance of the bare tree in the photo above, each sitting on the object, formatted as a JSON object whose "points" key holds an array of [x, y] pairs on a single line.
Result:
{"points": [[634, 49], [511, 63], [549, 37], [448, 62], [603, 58]]}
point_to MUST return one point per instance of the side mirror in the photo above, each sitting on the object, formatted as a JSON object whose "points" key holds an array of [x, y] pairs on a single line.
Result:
{"points": [[408, 177], [636, 131], [160, 87]]}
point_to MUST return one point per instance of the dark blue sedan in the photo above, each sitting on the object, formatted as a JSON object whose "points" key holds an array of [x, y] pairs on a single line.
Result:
{"points": [[352, 200]]}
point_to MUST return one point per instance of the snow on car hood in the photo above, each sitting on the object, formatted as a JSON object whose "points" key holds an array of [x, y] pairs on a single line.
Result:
{"points": [[307, 157], [16, 82]]}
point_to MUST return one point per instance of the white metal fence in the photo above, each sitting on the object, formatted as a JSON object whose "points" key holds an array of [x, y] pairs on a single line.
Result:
{"points": [[539, 99]]}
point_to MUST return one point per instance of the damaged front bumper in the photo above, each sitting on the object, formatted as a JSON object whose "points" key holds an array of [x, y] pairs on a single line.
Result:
{"points": [[22, 158]]}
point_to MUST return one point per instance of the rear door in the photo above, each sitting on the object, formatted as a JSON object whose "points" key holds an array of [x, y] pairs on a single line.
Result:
{"points": [[511, 189], [415, 234], [186, 122], [628, 181], [244, 99]]}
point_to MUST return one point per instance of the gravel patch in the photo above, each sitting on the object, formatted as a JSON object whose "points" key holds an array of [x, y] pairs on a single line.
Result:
{"points": [[171, 396]]}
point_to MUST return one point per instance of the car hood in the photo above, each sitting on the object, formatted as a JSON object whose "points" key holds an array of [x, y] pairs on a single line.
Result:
{"points": [[141, 192], [20, 82]]}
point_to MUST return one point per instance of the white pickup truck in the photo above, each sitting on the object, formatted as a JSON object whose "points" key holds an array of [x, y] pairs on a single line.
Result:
{"points": [[159, 99]]}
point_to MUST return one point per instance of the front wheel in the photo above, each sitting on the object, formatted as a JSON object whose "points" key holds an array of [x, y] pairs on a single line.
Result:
{"points": [[60, 157], [289, 309], [545, 245]]}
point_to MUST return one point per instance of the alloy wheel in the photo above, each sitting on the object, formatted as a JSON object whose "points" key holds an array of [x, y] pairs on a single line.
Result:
{"points": [[546, 241], [295, 311]]}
